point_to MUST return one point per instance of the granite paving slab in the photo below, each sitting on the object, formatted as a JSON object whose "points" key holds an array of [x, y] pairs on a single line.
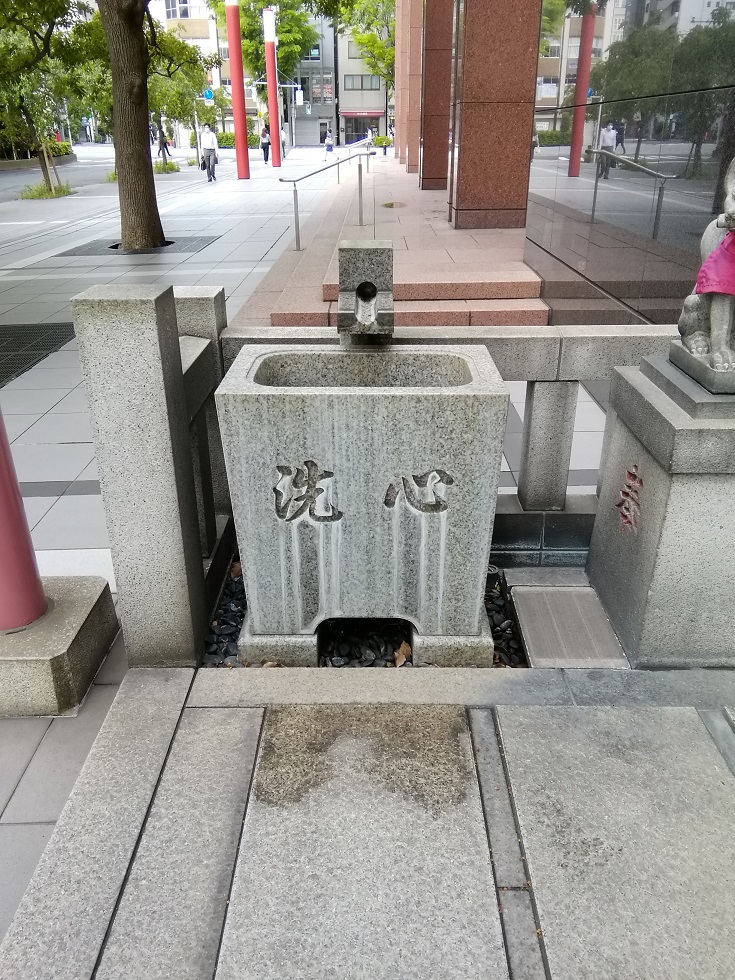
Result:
{"points": [[566, 627], [696, 688], [61, 922], [364, 853], [250, 687], [169, 920], [19, 739], [626, 820]]}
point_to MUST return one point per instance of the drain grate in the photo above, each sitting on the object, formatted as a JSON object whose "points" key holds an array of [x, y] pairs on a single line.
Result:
{"points": [[23, 345], [111, 246]]}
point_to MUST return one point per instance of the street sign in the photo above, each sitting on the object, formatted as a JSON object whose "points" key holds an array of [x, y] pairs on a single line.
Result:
{"points": [[208, 93], [299, 96], [307, 108], [209, 102]]}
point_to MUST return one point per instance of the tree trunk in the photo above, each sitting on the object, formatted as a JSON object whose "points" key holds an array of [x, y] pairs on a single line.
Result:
{"points": [[140, 222], [726, 153], [33, 133]]}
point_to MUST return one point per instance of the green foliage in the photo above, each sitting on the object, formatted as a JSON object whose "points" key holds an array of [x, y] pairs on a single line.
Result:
{"points": [[61, 149], [226, 139], [295, 34], [554, 137], [552, 18], [169, 167], [382, 141], [192, 162], [111, 178], [253, 141], [36, 191], [372, 24]]}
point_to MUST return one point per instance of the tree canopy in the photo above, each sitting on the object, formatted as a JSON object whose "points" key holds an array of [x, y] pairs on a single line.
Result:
{"points": [[372, 24]]}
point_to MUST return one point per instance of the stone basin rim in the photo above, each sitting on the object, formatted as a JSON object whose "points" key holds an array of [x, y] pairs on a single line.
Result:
{"points": [[391, 370]]}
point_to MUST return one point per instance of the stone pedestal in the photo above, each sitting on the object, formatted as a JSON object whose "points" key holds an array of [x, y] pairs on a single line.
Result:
{"points": [[662, 556], [494, 90], [548, 430], [437, 84]]}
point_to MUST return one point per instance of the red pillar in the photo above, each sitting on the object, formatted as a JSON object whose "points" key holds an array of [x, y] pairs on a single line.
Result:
{"points": [[234, 43], [581, 89], [21, 594], [271, 77]]}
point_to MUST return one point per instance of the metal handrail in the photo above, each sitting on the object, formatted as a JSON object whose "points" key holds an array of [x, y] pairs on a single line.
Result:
{"points": [[327, 166], [635, 166]]}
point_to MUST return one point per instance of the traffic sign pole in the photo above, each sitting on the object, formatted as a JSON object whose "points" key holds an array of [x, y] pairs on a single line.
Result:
{"points": [[234, 41]]}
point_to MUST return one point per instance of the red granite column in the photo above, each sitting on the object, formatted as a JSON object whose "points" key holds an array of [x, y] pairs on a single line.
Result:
{"points": [[437, 83], [415, 54], [402, 43], [494, 87]]}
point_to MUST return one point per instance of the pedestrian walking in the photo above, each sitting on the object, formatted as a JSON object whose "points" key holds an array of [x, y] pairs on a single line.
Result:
{"points": [[209, 152], [619, 128], [607, 143], [328, 144], [265, 142], [283, 142]]}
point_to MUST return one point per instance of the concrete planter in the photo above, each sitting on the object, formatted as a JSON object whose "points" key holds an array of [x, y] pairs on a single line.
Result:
{"points": [[364, 485]]}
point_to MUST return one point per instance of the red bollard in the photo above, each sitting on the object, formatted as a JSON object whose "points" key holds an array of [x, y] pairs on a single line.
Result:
{"points": [[21, 593]]}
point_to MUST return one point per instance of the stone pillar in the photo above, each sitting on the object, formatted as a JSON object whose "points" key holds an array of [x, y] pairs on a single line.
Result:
{"points": [[494, 88], [402, 44], [202, 312], [437, 83], [415, 55], [548, 428], [129, 349]]}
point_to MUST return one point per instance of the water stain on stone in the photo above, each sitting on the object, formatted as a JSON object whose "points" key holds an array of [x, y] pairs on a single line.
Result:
{"points": [[414, 750]]}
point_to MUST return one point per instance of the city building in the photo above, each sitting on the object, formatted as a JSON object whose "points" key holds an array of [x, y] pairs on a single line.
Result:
{"points": [[682, 15], [557, 64]]}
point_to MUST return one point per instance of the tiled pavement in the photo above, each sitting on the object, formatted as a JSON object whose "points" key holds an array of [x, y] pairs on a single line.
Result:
{"points": [[46, 414]]}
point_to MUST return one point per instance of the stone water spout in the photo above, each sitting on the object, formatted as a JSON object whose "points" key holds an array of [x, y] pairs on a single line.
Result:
{"points": [[365, 304]]}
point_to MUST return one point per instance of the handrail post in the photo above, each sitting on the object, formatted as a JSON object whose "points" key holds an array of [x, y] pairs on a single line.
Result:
{"points": [[296, 217], [338, 163], [659, 206], [359, 190], [368, 162], [594, 196]]}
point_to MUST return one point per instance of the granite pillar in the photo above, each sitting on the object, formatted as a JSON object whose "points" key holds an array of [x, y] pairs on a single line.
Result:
{"points": [[131, 360], [402, 45], [415, 56], [494, 88], [201, 312], [548, 429], [436, 87]]}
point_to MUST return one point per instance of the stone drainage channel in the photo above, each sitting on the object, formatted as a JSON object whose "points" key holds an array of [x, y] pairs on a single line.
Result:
{"points": [[359, 643]]}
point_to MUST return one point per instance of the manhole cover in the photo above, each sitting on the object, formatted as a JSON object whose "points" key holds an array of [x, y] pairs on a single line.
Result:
{"points": [[394, 204]]}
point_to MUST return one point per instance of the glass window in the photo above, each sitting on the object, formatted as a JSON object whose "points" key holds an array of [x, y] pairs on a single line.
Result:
{"points": [[353, 51], [364, 82], [315, 54], [305, 82]]}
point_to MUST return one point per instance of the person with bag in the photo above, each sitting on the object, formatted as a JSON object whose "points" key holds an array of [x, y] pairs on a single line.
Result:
{"points": [[265, 142], [209, 152]]}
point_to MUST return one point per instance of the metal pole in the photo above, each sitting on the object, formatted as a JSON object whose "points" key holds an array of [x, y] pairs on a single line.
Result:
{"points": [[597, 182], [296, 217], [659, 206], [337, 173], [368, 162], [359, 189], [21, 594]]}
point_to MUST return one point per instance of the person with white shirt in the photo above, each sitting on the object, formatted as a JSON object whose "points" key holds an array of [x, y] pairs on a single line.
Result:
{"points": [[608, 139], [209, 152]]}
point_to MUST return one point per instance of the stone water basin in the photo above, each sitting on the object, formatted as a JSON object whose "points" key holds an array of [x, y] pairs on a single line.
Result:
{"points": [[363, 485]]}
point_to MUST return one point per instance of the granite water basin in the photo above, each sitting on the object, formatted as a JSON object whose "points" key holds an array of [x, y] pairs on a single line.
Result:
{"points": [[362, 369], [363, 484]]}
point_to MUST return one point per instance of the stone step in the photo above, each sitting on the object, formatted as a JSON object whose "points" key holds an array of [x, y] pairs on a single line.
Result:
{"points": [[431, 275], [565, 312], [303, 308]]}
